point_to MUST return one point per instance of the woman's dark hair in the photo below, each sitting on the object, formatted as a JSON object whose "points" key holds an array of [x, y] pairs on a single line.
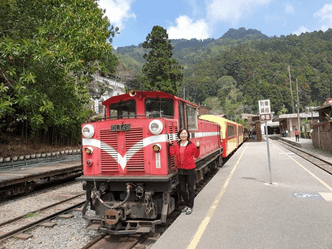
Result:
{"points": [[181, 130]]}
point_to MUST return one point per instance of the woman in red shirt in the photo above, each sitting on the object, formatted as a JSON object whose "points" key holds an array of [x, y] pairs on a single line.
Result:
{"points": [[297, 135], [185, 151]]}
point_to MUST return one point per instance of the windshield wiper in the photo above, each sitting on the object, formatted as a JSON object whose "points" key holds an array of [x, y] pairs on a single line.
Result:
{"points": [[154, 100]]}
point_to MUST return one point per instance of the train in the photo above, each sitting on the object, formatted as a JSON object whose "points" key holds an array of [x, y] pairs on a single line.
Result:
{"points": [[231, 133], [129, 176]]}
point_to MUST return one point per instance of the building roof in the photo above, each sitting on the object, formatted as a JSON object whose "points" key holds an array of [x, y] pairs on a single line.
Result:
{"points": [[294, 115], [326, 104]]}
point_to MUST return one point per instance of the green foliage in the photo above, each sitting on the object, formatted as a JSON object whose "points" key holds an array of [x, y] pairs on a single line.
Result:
{"points": [[48, 50], [29, 215], [160, 72], [131, 63], [214, 104], [283, 111], [259, 67]]}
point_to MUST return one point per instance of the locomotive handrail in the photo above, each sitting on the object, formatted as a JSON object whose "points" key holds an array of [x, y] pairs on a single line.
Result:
{"points": [[134, 116], [126, 116]]}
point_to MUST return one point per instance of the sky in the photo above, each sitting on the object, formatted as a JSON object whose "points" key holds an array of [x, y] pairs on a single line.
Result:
{"points": [[202, 19]]}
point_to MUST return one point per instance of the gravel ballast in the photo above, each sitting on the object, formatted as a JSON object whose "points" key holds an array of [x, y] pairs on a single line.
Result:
{"points": [[67, 233]]}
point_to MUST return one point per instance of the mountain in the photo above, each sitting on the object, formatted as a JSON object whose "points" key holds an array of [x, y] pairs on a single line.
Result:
{"points": [[243, 32], [189, 51], [244, 66]]}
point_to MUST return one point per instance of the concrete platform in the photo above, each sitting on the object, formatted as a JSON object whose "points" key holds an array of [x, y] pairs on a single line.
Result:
{"points": [[12, 176], [239, 208]]}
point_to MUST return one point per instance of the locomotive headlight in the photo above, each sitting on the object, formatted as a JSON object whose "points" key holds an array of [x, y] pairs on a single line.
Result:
{"points": [[88, 150], [88, 131], [155, 127], [156, 148]]}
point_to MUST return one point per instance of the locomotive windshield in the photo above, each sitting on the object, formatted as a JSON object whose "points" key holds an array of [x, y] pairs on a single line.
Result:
{"points": [[159, 107], [123, 109]]}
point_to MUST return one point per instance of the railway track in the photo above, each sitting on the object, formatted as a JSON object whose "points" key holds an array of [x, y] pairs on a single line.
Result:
{"points": [[145, 240], [319, 162], [23, 223], [123, 242]]}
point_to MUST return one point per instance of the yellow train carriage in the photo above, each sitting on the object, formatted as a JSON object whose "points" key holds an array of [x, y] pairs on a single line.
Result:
{"points": [[231, 133]]}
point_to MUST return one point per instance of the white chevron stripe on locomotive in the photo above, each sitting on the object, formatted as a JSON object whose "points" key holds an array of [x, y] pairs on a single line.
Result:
{"points": [[122, 160]]}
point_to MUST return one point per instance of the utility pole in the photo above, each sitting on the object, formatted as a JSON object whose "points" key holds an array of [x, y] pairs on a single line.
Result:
{"points": [[298, 105], [290, 84]]}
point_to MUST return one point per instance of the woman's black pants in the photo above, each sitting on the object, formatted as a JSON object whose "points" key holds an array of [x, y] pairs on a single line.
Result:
{"points": [[189, 180]]}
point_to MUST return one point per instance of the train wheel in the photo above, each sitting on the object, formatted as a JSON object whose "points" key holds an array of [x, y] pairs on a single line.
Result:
{"points": [[220, 161]]}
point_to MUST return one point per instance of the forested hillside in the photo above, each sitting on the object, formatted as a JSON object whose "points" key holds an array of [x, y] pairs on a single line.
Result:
{"points": [[237, 72]]}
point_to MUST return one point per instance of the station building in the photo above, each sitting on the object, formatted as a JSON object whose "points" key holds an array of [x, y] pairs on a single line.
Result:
{"points": [[322, 130]]}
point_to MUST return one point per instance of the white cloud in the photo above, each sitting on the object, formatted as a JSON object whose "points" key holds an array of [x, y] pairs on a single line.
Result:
{"points": [[301, 30], [231, 10], [289, 8], [325, 14], [117, 11], [187, 29]]}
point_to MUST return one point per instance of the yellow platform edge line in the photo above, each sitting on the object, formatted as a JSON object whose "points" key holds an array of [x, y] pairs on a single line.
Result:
{"points": [[193, 244]]}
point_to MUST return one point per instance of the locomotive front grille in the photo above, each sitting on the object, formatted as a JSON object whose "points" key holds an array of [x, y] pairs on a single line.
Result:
{"points": [[134, 148], [131, 140], [109, 156], [172, 129]]}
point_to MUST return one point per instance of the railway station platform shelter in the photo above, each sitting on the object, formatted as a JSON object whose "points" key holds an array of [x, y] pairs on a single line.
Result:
{"points": [[290, 122], [243, 206]]}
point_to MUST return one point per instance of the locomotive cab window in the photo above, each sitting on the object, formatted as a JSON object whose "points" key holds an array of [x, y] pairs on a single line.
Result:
{"points": [[159, 107], [123, 109], [191, 117]]}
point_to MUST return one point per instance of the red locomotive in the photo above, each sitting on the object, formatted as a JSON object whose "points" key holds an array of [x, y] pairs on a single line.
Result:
{"points": [[130, 178]]}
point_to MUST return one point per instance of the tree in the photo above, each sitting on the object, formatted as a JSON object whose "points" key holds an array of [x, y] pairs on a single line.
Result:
{"points": [[48, 51], [160, 72], [227, 84], [283, 111]]}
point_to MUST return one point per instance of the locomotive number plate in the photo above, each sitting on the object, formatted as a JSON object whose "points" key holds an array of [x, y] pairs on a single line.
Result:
{"points": [[122, 127]]}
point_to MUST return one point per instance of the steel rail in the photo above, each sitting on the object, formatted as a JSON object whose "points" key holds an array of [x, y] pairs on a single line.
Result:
{"points": [[33, 224], [319, 162]]}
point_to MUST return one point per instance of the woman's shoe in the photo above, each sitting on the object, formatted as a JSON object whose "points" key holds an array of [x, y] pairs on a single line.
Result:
{"points": [[184, 209], [189, 211]]}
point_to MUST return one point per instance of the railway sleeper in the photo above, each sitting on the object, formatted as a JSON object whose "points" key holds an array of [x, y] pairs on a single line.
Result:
{"points": [[124, 228]]}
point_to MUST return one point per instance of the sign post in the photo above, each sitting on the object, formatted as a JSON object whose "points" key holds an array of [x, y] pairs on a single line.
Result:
{"points": [[265, 115]]}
